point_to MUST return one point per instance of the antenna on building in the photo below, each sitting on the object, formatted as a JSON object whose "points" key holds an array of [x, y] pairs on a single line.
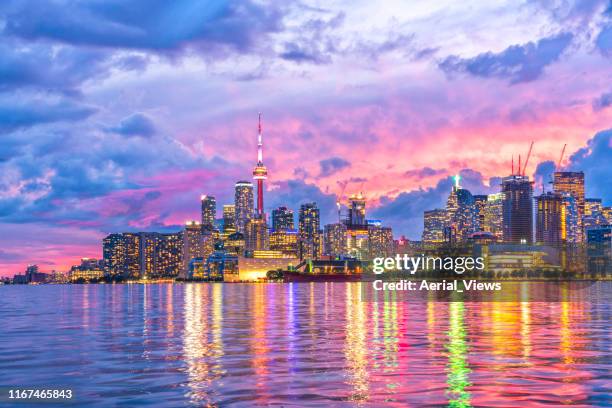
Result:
{"points": [[527, 159]]}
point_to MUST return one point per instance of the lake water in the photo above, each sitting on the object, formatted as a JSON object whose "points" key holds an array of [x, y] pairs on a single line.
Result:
{"points": [[310, 344]]}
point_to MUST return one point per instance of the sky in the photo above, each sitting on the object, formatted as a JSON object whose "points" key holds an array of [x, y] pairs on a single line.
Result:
{"points": [[117, 115]]}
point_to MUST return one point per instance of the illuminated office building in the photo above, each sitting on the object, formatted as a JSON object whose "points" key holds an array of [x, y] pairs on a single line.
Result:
{"points": [[592, 206], [284, 241], [282, 219], [229, 219], [460, 213], [243, 203], [434, 222], [380, 241], [517, 209], [209, 212], [334, 239], [308, 229], [494, 215], [256, 235]]}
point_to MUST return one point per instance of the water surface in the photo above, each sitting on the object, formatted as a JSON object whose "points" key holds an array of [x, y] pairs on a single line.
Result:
{"points": [[304, 344]]}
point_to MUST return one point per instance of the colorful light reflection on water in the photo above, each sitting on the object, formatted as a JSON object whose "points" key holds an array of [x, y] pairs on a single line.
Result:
{"points": [[300, 344]]}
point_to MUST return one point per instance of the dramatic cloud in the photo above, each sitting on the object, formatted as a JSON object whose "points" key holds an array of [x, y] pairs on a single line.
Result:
{"points": [[543, 175], [518, 63], [595, 161], [21, 116], [208, 27], [332, 165], [137, 124], [424, 173]]}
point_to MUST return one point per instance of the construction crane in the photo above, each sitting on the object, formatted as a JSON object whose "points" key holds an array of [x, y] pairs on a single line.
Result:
{"points": [[527, 159], [561, 158]]}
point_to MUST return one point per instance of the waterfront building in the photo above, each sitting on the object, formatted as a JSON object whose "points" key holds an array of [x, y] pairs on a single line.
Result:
{"points": [[209, 212], [599, 249], [221, 264], [335, 240], [243, 204], [572, 225], [285, 241], [282, 219], [517, 209], [197, 243], [254, 269], [380, 241], [434, 222], [309, 235], [357, 242]]}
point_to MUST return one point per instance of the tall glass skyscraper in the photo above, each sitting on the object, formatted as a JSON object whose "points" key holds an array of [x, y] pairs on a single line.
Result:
{"points": [[243, 202]]}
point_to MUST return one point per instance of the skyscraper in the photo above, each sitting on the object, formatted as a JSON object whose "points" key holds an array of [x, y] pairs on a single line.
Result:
{"points": [[282, 219], [380, 241], [494, 215], [357, 210], [209, 212], [460, 212], [193, 244], [335, 240], [434, 222], [550, 219], [572, 183], [243, 203], [229, 219], [256, 235], [121, 255], [285, 241], [480, 204], [160, 255], [517, 209], [260, 173], [309, 225]]}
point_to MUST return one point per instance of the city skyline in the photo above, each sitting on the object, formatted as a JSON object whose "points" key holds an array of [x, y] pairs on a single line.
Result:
{"points": [[116, 132]]}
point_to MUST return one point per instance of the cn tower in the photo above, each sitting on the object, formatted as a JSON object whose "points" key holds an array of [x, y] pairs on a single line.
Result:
{"points": [[260, 173]]}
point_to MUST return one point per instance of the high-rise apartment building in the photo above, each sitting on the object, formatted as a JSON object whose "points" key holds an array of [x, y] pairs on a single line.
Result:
{"points": [[334, 239], [229, 219], [282, 219], [494, 215], [256, 236], [309, 235]]}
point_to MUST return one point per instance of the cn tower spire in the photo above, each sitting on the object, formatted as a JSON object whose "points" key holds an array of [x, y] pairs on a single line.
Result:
{"points": [[260, 173]]}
